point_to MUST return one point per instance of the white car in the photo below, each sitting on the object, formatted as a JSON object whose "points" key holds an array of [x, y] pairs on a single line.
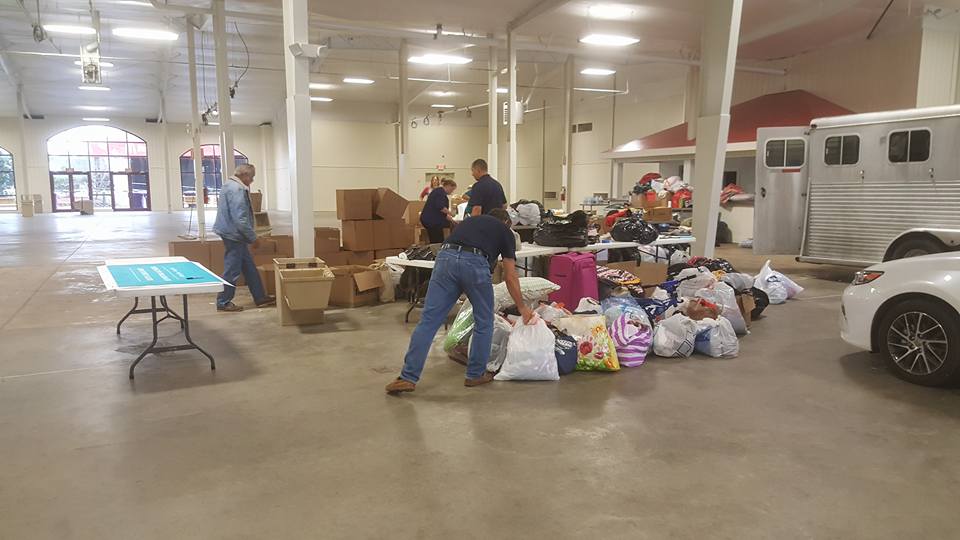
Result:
{"points": [[909, 311]]}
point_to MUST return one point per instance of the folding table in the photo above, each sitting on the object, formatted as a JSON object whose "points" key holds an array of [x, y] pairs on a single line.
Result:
{"points": [[159, 277]]}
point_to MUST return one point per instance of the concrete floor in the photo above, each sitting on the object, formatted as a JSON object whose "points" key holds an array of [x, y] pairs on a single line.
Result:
{"points": [[292, 437]]}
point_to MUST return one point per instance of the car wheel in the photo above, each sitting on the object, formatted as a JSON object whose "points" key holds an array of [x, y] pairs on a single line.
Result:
{"points": [[915, 247], [920, 340]]}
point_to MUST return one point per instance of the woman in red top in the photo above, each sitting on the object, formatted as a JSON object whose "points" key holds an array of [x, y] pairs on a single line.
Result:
{"points": [[434, 184]]}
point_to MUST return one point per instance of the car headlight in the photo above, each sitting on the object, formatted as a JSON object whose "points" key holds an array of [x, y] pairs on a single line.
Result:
{"points": [[866, 276]]}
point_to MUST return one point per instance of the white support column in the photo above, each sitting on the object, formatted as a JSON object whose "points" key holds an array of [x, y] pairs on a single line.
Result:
{"points": [[688, 171], [165, 148], [21, 168], [227, 162], [718, 59], [195, 133], [567, 165], [618, 180], [939, 74], [512, 117], [299, 119], [493, 110], [267, 172], [403, 131]]}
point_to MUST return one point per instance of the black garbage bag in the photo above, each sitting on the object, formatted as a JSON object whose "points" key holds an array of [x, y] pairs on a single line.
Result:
{"points": [[634, 229], [675, 269], [570, 231], [760, 300]]}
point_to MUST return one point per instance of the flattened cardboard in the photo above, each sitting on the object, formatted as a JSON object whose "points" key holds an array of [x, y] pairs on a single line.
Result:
{"points": [[746, 303], [390, 205], [358, 235], [353, 204]]}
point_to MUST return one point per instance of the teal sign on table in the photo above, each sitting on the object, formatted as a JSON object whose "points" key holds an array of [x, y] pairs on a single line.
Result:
{"points": [[150, 275]]}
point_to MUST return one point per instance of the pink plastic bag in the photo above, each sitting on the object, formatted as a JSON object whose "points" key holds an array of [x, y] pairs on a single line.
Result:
{"points": [[632, 340]]}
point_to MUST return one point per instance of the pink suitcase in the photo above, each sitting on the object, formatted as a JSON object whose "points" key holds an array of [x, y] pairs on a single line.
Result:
{"points": [[576, 274]]}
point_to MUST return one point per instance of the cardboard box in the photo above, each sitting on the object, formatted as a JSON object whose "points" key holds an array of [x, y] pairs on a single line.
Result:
{"points": [[358, 235], [402, 236], [658, 215], [384, 253], [360, 258], [256, 201], [390, 205], [412, 215], [284, 244], [261, 220], [326, 239], [335, 258], [304, 284], [747, 304], [355, 286], [193, 250], [353, 204], [649, 273], [268, 278], [382, 233]]}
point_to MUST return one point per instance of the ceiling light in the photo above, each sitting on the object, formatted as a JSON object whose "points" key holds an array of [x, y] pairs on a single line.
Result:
{"points": [[213, 123], [610, 11], [604, 90], [319, 98], [92, 108], [70, 29], [146, 33], [102, 64], [320, 86], [608, 40], [441, 93], [357, 80], [439, 59], [95, 119], [597, 71], [93, 87], [442, 106], [503, 90], [133, 3]]}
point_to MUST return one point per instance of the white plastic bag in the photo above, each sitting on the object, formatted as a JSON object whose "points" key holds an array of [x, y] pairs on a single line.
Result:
{"points": [[528, 214], [514, 215], [498, 346], [778, 287], [702, 278], [716, 338], [739, 282], [530, 354], [724, 296], [675, 337], [588, 305], [550, 313]]}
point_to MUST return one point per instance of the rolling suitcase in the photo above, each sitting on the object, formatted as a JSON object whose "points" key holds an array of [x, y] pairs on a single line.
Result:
{"points": [[576, 274]]}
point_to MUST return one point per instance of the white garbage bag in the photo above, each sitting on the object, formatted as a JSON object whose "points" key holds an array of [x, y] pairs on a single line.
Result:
{"points": [[702, 278], [675, 337], [778, 287], [716, 338], [498, 347], [723, 295], [528, 214], [739, 282], [514, 215], [530, 354], [550, 312], [588, 305]]}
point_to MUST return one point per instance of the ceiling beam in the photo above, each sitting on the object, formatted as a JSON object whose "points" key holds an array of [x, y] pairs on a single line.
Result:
{"points": [[534, 11], [802, 17]]}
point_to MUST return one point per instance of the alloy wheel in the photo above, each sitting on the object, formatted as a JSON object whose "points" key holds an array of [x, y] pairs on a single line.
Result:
{"points": [[917, 343]]}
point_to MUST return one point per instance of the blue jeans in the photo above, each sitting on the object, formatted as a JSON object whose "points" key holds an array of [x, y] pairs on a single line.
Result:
{"points": [[238, 260], [455, 273]]}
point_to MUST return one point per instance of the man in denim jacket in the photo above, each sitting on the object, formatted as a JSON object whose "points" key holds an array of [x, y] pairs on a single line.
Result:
{"points": [[235, 226]]}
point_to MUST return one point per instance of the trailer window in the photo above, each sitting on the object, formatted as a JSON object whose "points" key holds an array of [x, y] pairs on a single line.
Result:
{"points": [[783, 153], [841, 150], [909, 146]]}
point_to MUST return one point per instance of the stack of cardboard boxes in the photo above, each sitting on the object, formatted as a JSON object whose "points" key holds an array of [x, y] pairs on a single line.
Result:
{"points": [[210, 253], [374, 224]]}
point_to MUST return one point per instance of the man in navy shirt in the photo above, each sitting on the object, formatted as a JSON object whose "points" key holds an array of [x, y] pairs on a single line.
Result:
{"points": [[435, 215], [487, 193], [463, 267]]}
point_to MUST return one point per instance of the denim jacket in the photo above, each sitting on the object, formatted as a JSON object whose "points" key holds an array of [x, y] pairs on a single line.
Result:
{"points": [[234, 214]]}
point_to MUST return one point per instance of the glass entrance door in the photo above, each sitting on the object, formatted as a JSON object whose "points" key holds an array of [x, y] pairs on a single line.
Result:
{"points": [[131, 191], [68, 188]]}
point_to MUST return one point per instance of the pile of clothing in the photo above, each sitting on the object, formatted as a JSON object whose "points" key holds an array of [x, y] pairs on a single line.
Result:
{"points": [[672, 189]]}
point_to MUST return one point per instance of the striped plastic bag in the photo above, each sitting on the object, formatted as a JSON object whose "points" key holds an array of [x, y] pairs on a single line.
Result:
{"points": [[632, 338]]}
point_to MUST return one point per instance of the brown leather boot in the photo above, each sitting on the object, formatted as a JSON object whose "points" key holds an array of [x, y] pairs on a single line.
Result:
{"points": [[484, 379], [400, 385]]}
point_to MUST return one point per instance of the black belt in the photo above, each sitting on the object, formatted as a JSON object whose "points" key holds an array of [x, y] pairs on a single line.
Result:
{"points": [[468, 249]]}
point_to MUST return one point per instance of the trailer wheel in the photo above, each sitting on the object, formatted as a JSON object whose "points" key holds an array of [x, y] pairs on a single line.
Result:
{"points": [[915, 247]]}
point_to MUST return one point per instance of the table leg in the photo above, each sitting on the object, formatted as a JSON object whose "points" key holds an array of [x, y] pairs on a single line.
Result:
{"points": [[186, 331], [136, 302], [150, 348], [171, 314], [185, 321]]}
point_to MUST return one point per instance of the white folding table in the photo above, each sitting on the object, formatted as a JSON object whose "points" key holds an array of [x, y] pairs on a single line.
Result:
{"points": [[158, 284]]}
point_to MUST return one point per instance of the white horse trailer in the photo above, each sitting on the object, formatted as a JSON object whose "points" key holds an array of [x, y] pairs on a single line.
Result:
{"points": [[860, 189]]}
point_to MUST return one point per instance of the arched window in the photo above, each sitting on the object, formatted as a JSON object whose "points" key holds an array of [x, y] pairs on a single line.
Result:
{"points": [[8, 190], [102, 163], [212, 179]]}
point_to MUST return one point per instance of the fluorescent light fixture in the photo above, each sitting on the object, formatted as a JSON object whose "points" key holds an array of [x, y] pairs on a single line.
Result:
{"points": [[610, 11], [133, 3], [213, 123], [146, 33], [608, 40], [320, 86], [597, 71], [102, 64], [95, 119], [503, 90], [602, 90], [357, 80], [93, 88], [442, 93], [442, 106], [439, 59], [320, 98], [92, 107], [70, 29]]}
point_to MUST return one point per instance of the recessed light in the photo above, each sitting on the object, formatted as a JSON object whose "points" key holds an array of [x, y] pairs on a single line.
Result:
{"points": [[320, 86], [610, 11], [357, 80], [439, 59], [442, 106], [442, 93], [95, 119], [597, 71], [70, 29], [92, 107], [102, 64], [608, 40], [93, 88], [319, 98], [146, 33]]}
